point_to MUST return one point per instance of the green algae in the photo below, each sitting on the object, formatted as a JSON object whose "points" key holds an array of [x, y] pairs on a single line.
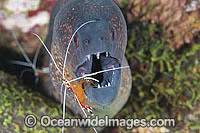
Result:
{"points": [[166, 81], [17, 101]]}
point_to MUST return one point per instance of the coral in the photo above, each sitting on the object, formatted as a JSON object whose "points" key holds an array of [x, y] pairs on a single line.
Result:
{"points": [[180, 25], [24, 18]]}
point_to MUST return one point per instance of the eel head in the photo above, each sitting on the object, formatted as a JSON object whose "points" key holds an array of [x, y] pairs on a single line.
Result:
{"points": [[96, 53]]}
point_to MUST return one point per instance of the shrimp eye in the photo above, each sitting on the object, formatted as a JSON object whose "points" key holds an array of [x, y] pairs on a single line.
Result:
{"points": [[113, 33], [76, 41]]}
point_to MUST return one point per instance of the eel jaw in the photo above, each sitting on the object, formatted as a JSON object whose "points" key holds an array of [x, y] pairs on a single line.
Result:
{"points": [[105, 91]]}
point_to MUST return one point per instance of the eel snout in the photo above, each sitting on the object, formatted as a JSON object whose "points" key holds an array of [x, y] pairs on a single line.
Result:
{"points": [[105, 91]]}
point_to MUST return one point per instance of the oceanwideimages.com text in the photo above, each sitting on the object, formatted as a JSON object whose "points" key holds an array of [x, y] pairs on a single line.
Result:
{"points": [[46, 121]]}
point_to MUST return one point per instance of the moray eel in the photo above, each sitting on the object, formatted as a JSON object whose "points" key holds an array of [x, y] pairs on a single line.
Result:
{"points": [[95, 47]]}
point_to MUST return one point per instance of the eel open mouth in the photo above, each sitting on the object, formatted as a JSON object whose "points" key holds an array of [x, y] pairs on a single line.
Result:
{"points": [[105, 91]]}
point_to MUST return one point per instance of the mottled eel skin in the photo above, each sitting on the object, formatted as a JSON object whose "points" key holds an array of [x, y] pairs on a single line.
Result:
{"points": [[107, 35]]}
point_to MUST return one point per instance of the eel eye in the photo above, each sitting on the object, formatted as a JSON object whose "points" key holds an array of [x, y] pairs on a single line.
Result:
{"points": [[113, 33], [76, 41]]}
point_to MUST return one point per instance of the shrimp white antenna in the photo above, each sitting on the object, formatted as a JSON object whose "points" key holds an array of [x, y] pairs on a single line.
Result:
{"points": [[92, 79], [84, 76], [92, 21], [94, 130], [64, 107], [48, 52], [112, 69]]}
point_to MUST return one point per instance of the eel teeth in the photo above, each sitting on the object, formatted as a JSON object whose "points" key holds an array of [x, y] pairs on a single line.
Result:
{"points": [[88, 57], [106, 54], [98, 55], [99, 86]]}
